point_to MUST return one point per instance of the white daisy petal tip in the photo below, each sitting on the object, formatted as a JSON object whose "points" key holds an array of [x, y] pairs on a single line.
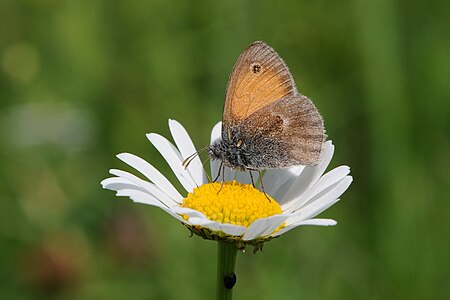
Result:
{"points": [[313, 222], [186, 149], [216, 132], [332, 223], [104, 182], [119, 155]]}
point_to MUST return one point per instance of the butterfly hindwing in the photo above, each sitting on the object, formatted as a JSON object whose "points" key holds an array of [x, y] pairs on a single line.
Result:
{"points": [[291, 129]]}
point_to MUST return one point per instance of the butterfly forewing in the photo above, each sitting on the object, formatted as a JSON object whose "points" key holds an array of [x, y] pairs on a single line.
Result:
{"points": [[259, 77]]}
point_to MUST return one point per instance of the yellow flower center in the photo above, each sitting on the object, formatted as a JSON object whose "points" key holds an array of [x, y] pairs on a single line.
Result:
{"points": [[231, 203]]}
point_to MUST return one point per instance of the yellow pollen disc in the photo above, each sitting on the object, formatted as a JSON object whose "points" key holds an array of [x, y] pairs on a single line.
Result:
{"points": [[232, 203]]}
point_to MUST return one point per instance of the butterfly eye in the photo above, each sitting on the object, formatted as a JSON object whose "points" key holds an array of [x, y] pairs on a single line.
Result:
{"points": [[256, 68]]}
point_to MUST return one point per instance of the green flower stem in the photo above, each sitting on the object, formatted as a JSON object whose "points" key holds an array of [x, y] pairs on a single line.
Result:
{"points": [[226, 278]]}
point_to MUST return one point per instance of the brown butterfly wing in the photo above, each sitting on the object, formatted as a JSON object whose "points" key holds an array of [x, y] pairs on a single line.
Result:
{"points": [[291, 131], [259, 77]]}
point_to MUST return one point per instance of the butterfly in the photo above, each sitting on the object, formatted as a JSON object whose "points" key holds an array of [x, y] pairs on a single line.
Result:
{"points": [[266, 122]]}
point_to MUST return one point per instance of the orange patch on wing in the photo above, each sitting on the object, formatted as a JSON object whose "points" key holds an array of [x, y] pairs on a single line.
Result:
{"points": [[252, 95]]}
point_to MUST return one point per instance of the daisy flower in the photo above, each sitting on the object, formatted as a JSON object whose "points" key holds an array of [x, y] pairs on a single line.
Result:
{"points": [[231, 210]]}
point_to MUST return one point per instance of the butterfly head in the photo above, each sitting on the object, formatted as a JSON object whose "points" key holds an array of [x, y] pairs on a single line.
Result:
{"points": [[232, 153]]}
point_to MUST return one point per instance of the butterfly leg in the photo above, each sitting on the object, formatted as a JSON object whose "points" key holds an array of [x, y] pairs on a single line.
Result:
{"points": [[218, 172], [251, 177], [222, 167], [260, 181], [262, 185]]}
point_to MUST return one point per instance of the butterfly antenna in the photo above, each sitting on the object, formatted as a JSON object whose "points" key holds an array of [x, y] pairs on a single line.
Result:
{"points": [[188, 159], [191, 157]]}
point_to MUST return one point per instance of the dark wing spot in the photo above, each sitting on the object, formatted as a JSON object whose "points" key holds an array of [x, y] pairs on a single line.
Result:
{"points": [[256, 68], [278, 124], [273, 126]]}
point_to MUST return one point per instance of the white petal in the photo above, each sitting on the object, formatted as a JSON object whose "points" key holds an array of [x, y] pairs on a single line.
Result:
{"points": [[263, 227], [173, 158], [198, 218], [322, 203], [330, 178], [176, 216], [187, 148], [149, 187], [313, 210], [233, 229], [308, 177], [119, 183], [152, 174], [244, 177], [230, 229], [316, 222], [215, 226], [145, 198], [216, 132], [326, 183], [278, 181], [189, 212], [139, 197], [228, 174]]}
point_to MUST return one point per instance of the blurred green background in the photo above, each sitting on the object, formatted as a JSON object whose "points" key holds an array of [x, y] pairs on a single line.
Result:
{"points": [[81, 81]]}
